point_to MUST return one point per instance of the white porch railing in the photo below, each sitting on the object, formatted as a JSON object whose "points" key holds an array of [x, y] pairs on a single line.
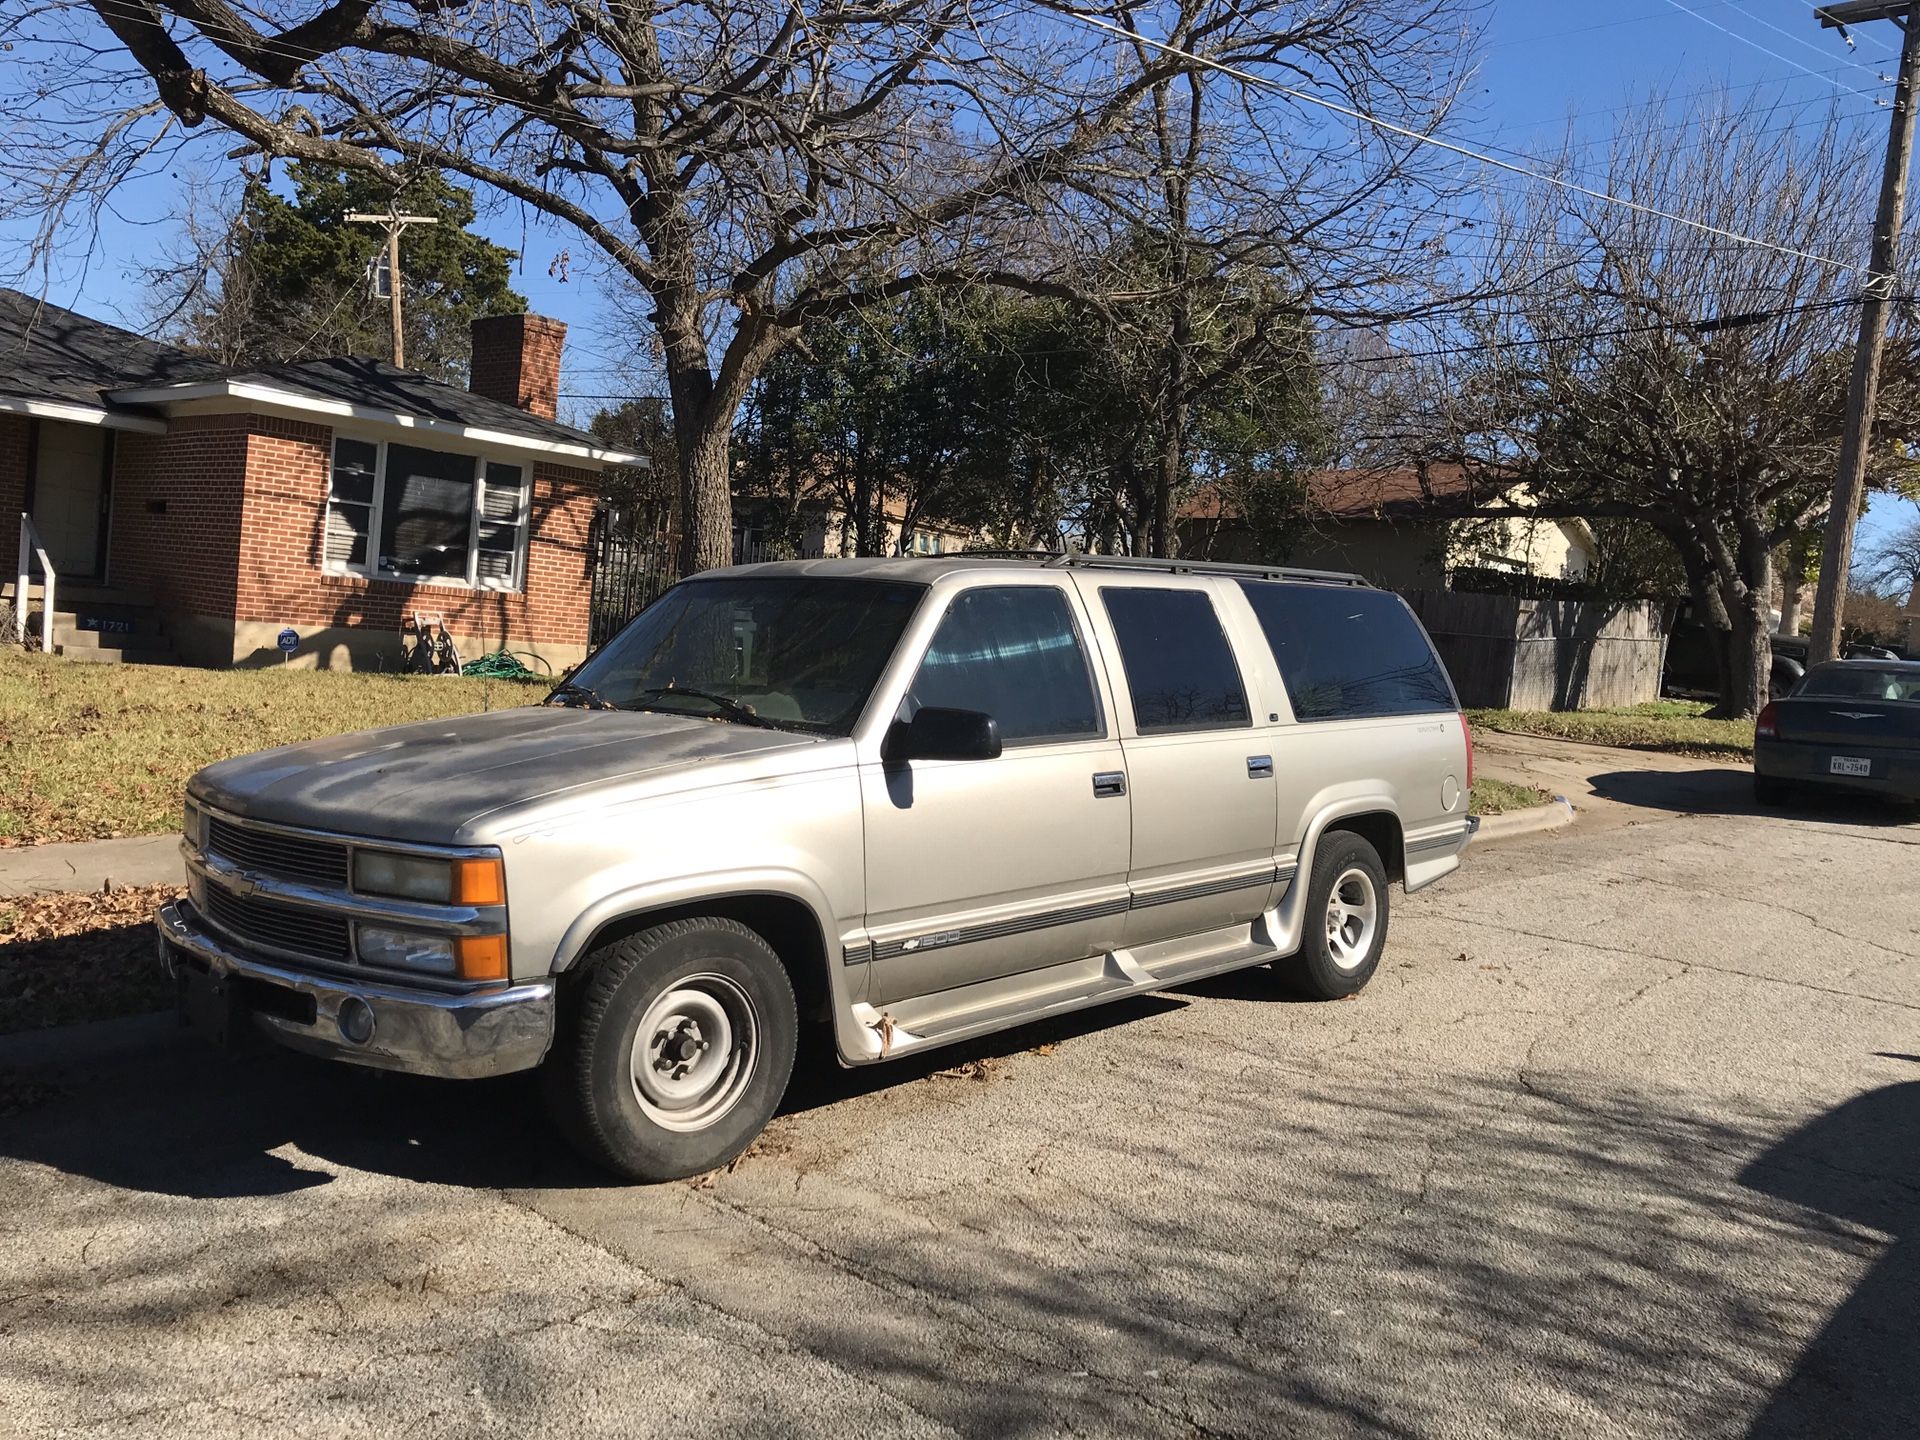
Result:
{"points": [[32, 547]]}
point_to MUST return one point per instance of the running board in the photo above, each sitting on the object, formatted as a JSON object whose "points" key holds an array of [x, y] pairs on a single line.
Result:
{"points": [[950, 1016]]}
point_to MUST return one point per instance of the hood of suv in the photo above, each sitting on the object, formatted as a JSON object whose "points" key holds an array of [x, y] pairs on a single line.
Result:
{"points": [[424, 781]]}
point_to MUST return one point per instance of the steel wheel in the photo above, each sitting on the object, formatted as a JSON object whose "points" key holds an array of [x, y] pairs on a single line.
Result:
{"points": [[1353, 913], [694, 1052]]}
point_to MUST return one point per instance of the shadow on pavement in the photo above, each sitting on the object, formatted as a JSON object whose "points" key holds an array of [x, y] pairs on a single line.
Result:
{"points": [[1730, 792], [1856, 1164], [200, 1124]]}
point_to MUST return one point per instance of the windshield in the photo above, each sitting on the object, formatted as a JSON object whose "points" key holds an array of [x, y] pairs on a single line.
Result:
{"points": [[1848, 682], [801, 652]]}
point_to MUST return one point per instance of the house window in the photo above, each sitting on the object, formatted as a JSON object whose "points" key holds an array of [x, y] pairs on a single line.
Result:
{"points": [[407, 513]]}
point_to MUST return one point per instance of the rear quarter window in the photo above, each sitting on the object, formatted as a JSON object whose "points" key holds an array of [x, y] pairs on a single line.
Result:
{"points": [[1347, 653]]}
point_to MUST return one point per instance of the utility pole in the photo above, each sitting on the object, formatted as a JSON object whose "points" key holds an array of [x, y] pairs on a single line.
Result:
{"points": [[393, 223], [1836, 559]]}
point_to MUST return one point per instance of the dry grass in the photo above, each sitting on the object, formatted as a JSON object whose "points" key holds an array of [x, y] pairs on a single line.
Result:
{"points": [[1495, 797], [1678, 726], [88, 752]]}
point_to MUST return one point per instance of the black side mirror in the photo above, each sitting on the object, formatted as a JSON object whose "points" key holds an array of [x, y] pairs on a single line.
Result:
{"points": [[935, 733]]}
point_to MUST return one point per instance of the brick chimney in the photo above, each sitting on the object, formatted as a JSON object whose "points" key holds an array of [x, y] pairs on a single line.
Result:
{"points": [[516, 360]]}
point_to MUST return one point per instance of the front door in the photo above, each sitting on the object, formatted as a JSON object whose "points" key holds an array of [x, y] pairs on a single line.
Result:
{"points": [[978, 869], [1199, 769], [70, 497]]}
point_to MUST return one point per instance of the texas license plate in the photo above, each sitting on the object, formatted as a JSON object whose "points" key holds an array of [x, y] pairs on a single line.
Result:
{"points": [[1849, 765]]}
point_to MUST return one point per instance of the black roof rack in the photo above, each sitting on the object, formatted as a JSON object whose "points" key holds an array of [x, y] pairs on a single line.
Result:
{"points": [[1073, 560]]}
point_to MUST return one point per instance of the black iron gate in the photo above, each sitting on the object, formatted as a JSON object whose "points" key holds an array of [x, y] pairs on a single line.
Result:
{"points": [[633, 562]]}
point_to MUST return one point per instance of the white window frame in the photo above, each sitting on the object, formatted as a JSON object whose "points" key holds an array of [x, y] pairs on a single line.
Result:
{"points": [[377, 518]]}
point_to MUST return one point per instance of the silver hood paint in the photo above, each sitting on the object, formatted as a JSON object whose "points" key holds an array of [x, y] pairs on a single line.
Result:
{"points": [[427, 782]]}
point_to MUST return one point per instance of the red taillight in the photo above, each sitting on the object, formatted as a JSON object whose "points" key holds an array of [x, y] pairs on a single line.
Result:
{"points": [[1766, 724], [1467, 735]]}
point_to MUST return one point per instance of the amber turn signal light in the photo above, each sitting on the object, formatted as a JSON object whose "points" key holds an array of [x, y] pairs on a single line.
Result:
{"points": [[479, 882], [480, 957]]}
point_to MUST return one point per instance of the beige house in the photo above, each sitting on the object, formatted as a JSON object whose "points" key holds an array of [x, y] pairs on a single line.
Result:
{"points": [[826, 530], [1913, 623], [1403, 529]]}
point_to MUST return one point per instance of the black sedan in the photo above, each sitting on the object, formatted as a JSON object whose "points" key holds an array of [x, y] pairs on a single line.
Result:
{"points": [[1848, 725]]}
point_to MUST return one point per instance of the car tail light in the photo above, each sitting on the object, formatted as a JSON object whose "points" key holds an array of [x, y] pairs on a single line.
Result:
{"points": [[1466, 734], [1766, 725]]}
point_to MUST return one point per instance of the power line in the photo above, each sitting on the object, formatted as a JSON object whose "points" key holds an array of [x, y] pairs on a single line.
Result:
{"points": [[1765, 50], [1390, 127]]}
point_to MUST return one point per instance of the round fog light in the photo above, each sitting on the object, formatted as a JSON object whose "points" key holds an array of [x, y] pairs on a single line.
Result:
{"points": [[356, 1020]]}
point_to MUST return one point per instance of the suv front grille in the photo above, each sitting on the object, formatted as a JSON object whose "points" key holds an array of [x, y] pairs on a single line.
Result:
{"points": [[276, 853], [284, 927]]}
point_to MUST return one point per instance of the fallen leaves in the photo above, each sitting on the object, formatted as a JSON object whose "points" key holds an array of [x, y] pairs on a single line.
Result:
{"points": [[69, 958]]}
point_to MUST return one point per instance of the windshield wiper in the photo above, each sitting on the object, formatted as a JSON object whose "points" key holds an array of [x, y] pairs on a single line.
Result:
{"points": [[595, 700], [728, 707]]}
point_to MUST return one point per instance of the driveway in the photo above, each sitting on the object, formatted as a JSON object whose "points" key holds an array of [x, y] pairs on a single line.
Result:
{"points": [[1621, 1141]]}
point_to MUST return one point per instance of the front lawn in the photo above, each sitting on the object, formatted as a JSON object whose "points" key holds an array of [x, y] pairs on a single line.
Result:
{"points": [[93, 751], [1678, 726]]}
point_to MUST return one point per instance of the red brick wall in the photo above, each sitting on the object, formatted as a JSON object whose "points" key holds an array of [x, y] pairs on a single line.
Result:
{"points": [[14, 430], [516, 360], [177, 512], [281, 581]]}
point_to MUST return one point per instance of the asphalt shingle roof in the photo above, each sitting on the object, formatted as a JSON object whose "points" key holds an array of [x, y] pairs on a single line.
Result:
{"points": [[47, 353]]}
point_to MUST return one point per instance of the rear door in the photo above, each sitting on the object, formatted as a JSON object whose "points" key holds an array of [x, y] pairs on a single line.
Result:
{"points": [[1374, 713], [1199, 770], [978, 869]]}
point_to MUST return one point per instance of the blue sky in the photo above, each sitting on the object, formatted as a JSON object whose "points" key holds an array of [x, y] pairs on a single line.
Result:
{"points": [[1543, 61]]}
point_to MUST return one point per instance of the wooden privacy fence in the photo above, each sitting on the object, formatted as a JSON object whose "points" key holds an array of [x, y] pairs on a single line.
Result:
{"points": [[1505, 652]]}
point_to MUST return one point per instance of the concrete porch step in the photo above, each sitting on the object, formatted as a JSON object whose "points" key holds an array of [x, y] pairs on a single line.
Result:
{"points": [[136, 650]]}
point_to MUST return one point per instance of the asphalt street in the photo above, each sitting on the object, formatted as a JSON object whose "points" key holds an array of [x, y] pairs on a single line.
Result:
{"points": [[1624, 1140]]}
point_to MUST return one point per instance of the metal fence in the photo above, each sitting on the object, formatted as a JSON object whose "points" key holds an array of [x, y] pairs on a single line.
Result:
{"points": [[632, 563]]}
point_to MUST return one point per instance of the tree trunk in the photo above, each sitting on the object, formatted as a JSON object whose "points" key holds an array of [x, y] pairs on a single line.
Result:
{"points": [[706, 496], [1746, 586], [1793, 582]]}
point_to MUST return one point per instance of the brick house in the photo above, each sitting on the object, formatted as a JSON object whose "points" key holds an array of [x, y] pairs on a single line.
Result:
{"points": [[332, 496]]}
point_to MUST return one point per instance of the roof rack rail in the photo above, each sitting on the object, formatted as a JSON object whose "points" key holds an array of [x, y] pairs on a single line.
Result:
{"points": [[1206, 567]]}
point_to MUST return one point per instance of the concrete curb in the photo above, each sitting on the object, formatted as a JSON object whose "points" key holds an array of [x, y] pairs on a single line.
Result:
{"points": [[84, 866], [1555, 813], [92, 1043]]}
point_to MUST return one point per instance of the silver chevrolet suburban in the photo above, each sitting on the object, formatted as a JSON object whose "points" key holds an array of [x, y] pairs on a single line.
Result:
{"points": [[909, 801]]}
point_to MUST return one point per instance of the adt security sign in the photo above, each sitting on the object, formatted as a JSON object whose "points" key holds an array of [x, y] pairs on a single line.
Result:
{"points": [[289, 642]]}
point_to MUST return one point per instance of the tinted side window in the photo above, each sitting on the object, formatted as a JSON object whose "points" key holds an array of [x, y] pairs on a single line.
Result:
{"points": [[1180, 668], [1014, 653], [1347, 653]]}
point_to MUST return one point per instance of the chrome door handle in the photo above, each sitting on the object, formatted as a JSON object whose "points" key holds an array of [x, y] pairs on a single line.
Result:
{"points": [[1109, 782], [1259, 767]]}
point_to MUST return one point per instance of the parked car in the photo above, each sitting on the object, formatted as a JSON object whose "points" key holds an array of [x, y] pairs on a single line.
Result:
{"points": [[913, 800], [1849, 725]]}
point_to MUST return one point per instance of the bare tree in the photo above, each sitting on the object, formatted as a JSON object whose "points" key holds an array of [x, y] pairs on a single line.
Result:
{"points": [[1890, 564], [1630, 366], [751, 167]]}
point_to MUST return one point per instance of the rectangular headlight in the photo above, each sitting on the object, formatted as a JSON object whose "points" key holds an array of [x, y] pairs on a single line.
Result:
{"points": [[193, 825], [406, 949], [405, 877]]}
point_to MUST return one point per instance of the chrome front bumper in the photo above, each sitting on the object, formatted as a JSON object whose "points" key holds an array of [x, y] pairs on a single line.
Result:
{"points": [[460, 1036]]}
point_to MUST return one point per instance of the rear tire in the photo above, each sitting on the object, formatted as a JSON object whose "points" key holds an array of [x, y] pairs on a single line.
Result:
{"points": [[1771, 792], [677, 1049], [1345, 920]]}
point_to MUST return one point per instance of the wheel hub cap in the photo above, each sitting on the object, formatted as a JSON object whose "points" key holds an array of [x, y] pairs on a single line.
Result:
{"points": [[694, 1052], [1353, 914]]}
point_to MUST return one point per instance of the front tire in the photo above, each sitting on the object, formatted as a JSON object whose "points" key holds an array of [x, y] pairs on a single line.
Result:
{"points": [[677, 1051], [1345, 920]]}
